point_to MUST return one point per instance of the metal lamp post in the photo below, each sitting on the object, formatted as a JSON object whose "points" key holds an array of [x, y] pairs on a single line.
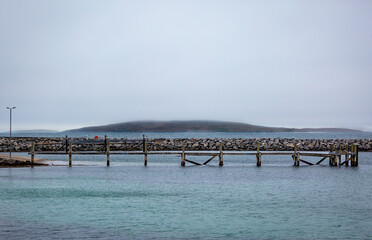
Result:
{"points": [[10, 132]]}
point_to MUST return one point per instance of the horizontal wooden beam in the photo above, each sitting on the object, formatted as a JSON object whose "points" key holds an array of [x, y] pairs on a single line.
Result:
{"points": [[276, 153], [312, 154]]}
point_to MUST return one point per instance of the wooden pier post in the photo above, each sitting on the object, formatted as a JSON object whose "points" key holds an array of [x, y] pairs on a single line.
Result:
{"points": [[220, 156], [183, 156], [356, 152], [335, 158], [352, 157], [347, 155], [332, 158], [70, 155], [108, 152], [145, 159], [32, 153], [143, 142], [340, 154], [66, 143], [258, 155], [105, 144], [296, 157]]}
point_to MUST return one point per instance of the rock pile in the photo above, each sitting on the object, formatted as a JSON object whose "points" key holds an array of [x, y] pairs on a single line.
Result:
{"points": [[6, 162], [165, 144]]}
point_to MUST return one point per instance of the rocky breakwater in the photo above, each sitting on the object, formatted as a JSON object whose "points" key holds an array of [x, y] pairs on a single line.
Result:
{"points": [[250, 144], [163, 144], [6, 162], [18, 161]]}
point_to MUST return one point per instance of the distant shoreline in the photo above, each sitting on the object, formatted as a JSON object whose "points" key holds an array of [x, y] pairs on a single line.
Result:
{"points": [[185, 127], [198, 126]]}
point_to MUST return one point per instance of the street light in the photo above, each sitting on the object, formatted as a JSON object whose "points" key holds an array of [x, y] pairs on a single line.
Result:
{"points": [[10, 132]]}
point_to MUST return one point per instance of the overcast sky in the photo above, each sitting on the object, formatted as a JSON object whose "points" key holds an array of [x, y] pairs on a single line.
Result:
{"points": [[67, 64]]}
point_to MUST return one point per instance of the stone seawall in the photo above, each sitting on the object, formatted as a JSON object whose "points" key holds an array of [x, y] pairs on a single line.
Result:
{"points": [[162, 144]]}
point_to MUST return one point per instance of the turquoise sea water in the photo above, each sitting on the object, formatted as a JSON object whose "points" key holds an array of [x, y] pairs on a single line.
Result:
{"points": [[166, 201]]}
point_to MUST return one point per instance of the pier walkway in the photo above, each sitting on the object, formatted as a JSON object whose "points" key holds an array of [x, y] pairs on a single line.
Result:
{"points": [[343, 155]]}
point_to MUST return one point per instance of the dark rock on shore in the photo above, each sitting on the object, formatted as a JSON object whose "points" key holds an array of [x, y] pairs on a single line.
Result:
{"points": [[6, 162]]}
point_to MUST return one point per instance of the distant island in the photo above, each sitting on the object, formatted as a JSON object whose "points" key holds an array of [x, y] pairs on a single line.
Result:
{"points": [[197, 126]]}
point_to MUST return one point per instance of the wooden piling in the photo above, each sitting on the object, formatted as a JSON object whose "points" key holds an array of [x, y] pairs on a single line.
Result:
{"points": [[356, 149], [347, 150], [220, 156], [333, 156], [108, 152], [183, 156], [105, 144], [296, 157], [330, 156], [32, 153], [340, 155], [143, 142], [66, 143], [145, 159], [70, 155], [258, 156]]}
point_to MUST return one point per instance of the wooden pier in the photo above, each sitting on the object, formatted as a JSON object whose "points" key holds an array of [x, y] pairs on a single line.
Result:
{"points": [[343, 155]]}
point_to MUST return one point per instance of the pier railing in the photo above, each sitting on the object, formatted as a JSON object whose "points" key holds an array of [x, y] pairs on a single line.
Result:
{"points": [[141, 147]]}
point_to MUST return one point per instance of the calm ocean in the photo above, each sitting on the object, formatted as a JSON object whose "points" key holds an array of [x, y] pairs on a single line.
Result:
{"points": [[166, 201]]}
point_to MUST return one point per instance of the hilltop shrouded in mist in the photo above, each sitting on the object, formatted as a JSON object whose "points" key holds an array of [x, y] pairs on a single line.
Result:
{"points": [[194, 126]]}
